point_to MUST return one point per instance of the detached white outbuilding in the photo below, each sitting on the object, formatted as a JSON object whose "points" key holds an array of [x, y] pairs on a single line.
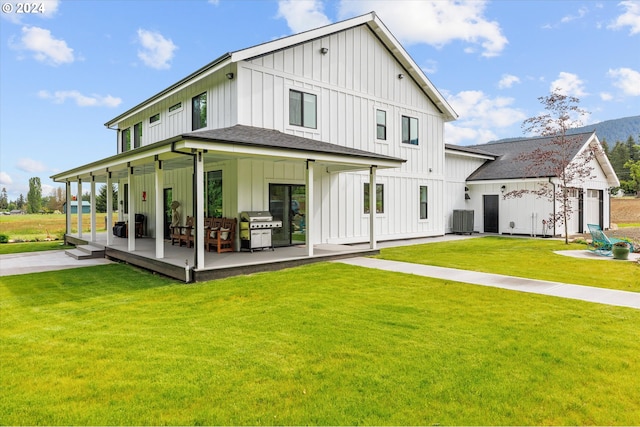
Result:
{"points": [[481, 178]]}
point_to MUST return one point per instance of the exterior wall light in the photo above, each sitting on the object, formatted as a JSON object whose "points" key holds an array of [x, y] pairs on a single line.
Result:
{"points": [[230, 76], [324, 50], [401, 76]]}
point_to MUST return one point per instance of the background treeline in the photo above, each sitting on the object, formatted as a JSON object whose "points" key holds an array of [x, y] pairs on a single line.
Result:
{"points": [[35, 202], [625, 159]]}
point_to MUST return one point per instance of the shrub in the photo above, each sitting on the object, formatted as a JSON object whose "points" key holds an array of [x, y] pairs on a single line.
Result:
{"points": [[4, 238]]}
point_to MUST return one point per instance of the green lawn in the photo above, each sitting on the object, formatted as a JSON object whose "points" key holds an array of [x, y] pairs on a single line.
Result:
{"points": [[533, 258], [321, 344], [16, 248]]}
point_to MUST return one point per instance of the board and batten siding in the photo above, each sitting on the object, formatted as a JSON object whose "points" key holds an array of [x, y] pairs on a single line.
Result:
{"points": [[458, 168], [354, 79]]}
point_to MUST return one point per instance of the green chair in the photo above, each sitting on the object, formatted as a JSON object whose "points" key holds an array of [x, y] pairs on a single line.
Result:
{"points": [[601, 243]]}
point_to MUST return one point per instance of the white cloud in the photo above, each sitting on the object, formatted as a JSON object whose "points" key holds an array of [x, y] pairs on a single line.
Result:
{"points": [[631, 18], [435, 22], [626, 79], [302, 15], [480, 116], [214, 2], [569, 84], [581, 13], [60, 96], [30, 165], [44, 46], [507, 81], [157, 51], [606, 96], [5, 178]]}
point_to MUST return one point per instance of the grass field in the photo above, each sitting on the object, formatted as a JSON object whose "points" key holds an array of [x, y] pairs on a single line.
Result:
{"points": [[321, 344], [39, 227], [533, 258]]}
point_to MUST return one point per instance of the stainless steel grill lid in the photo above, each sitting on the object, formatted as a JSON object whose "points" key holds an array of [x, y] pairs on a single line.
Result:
{"points": [[251, 216]]}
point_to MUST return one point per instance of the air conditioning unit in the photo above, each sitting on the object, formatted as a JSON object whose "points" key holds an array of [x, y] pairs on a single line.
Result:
{"points": [[462, 221]]}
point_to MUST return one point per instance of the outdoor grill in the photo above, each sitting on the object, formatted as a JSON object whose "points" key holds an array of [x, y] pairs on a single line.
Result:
{"points": [[255, 230]]}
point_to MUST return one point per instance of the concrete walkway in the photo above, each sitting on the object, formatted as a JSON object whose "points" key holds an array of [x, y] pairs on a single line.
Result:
{"points": [[35, 262], [563, 290]]}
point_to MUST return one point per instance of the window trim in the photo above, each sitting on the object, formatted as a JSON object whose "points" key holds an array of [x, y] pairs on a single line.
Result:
{"points": [[137, 139], [125, 145], [386, 124], [178, 107], [302, 103], [417, 136], [379, 200], [155, 122]]}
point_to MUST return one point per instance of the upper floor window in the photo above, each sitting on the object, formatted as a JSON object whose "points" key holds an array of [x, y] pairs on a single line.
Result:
{"points": [[154, 118], [379, 198], [199, 113], [175, 107], [137, 135], [409, 130], [381, 125], [302, 109], [125, 140], [424, 192]]}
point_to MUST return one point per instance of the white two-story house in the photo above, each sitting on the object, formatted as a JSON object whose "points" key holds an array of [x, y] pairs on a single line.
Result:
{"points": [[338, 121]]}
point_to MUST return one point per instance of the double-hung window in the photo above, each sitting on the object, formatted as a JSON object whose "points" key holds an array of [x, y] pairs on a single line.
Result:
{"points": [[381, 125], [424, 192], [409, 130], [137, 135], [199, 113], [302, 109], [379, 198]]}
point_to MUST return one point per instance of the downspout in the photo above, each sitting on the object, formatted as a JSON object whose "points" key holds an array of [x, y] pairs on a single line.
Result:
{"points": [[188, 268]]}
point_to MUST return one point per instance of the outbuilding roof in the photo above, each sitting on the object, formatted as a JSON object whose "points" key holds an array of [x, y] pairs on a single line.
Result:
{"points": [[513, 161]]}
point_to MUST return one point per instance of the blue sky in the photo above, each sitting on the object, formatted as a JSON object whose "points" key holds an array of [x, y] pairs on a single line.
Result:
{"points": [[71, 65]]}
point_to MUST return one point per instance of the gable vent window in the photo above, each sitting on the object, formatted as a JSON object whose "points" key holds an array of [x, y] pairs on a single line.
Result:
{"points": [[199, 113], [409, 130], [302, 109]]}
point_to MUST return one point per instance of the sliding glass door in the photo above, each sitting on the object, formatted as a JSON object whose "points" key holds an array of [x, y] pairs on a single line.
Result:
{"points": [[287, 203]]}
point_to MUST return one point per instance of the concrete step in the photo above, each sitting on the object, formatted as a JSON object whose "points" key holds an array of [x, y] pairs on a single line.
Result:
{"points": [[86, 252]]}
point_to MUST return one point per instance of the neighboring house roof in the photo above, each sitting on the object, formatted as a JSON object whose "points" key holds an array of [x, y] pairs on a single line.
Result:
{"points": [[369, 19], [260, 137], [512, 161]]}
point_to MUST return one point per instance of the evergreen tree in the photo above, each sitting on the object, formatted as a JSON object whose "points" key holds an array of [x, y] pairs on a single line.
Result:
{"points": [[101, 199], [20, 203], [4, 201], [34, 197]]}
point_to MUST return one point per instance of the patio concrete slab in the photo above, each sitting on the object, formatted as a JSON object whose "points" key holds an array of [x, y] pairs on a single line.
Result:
{"points": [[35, 262], [633, 257], [563, 290]]}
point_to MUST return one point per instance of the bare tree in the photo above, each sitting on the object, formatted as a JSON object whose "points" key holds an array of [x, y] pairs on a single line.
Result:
{"points": [[559, 157]]}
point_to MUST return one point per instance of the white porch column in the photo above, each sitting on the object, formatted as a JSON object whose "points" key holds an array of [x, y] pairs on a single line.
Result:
{"points": [[131, 218], [199, 213], [67, 196], [109, 209], [94, 226], [372, 208], [159, 210], [310, 220], [79, 208]]}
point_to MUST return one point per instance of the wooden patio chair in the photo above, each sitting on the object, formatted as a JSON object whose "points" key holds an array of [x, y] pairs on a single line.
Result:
{"points": [[211, 233], [601, 244], [224, 239], [186, 233]]}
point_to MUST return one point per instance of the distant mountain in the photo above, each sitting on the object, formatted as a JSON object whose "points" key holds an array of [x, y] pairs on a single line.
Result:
{"points": [[611, 131]]}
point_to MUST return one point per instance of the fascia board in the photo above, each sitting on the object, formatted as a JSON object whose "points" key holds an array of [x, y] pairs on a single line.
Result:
{"points": [[194, 77], [509, 181], [467, 154], [288, 154]]}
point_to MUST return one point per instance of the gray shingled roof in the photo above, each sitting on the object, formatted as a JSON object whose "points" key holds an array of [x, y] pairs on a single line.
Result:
{"points": [[260, 137], [511, 161]]}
